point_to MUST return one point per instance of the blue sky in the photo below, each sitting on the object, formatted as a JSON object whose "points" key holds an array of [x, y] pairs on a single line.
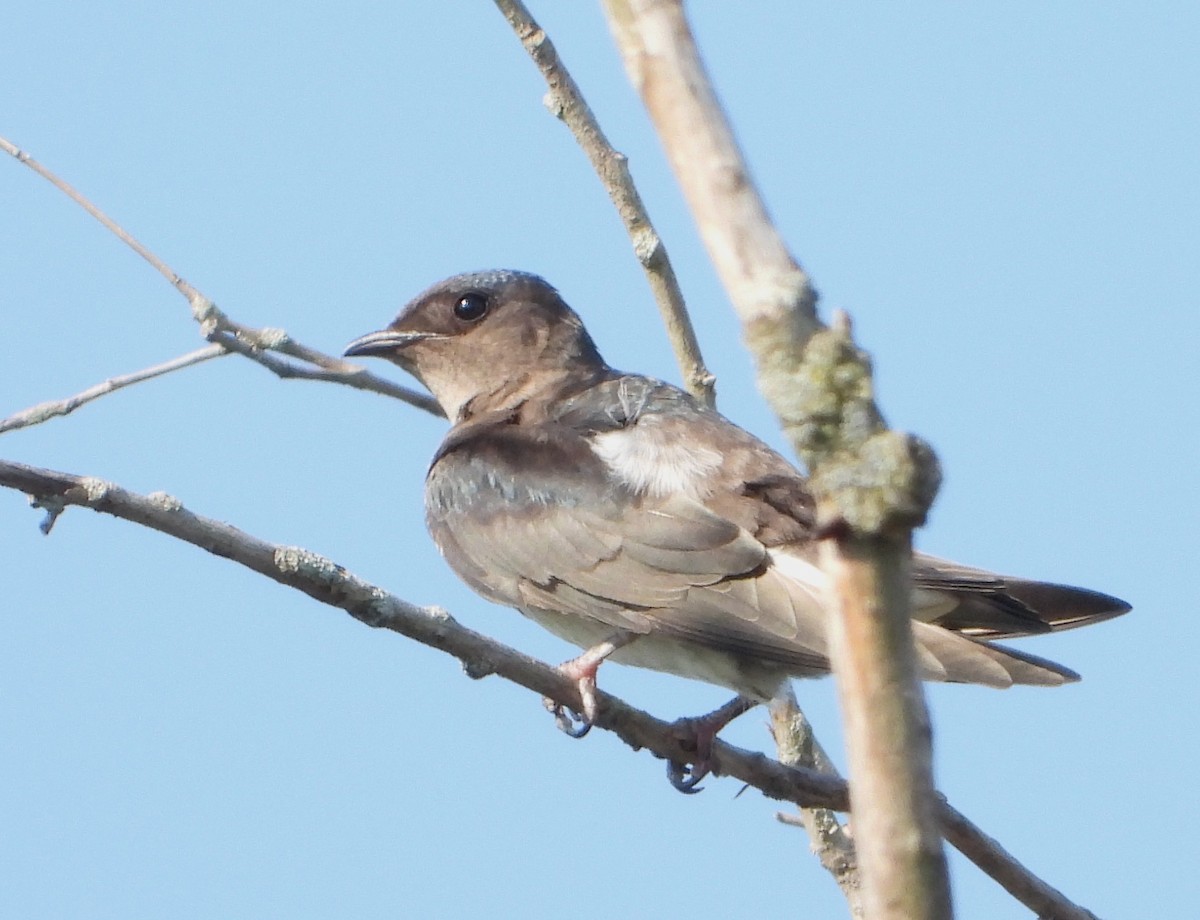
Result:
{"points": [[1004, 198]]}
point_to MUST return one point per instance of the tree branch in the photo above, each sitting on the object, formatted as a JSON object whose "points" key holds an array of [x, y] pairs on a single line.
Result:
{"points": [[830, 841], [35, 415], [324, 580], [764, 282], [331, 584], [871, 486], [259, 346], [566, 102], [1046, 901], [233, 336]]}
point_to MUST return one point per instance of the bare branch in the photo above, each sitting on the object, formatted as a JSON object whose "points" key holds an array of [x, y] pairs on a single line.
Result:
{"points": [[832, 845], [763, 280], [214, 324], [1047, 902], [111, 225], [353, 375], [823, 397], [35, 415], [567, 103], [331, 584], [887, 730]]}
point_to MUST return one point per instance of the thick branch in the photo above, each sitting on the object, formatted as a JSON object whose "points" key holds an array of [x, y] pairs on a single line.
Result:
{"points": [[331, 584], [566, 101], [826, 407], [764, 282], [887, 729]]}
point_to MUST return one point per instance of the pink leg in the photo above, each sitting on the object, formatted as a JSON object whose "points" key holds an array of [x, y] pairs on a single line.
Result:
{"points": [[583, 670], [704, 729]]}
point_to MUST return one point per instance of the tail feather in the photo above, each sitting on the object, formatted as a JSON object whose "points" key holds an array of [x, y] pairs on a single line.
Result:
{"points": [[985, 605], [949, 656], [1066, 607]]}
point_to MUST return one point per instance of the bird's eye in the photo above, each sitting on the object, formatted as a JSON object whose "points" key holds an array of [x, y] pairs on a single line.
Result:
{"points": [[471, 307]]}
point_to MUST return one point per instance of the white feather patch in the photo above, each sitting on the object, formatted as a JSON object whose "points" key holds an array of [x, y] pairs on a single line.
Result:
{"points": [[804, 574], [652, 463]]}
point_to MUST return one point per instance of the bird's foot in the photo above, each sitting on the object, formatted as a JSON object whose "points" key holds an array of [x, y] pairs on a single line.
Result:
{"points": [[698, 733], [569, 722], [582, 670]]}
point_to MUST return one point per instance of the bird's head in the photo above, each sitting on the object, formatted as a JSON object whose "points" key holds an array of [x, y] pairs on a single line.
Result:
{"points": [[486, 341]]}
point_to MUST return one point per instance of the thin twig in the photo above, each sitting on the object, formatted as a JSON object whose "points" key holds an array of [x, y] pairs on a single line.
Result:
{"points": [[1044, 900], [35, 415], [344, 372], [331, 584], [830, 841], [109, 224], [566, 102], [214, 324]]}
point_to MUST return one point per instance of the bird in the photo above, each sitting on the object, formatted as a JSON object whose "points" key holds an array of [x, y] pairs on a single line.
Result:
{"points": [[627, 517]]}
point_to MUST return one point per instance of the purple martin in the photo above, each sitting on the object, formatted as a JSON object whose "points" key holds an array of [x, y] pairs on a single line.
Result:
{"points": [[626, 517]]}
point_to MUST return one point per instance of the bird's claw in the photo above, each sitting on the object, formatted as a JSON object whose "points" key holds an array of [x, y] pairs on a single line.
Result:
{"points": [[685, 777], [699, 734], [695, 734], [582, 671], [569, 722]]}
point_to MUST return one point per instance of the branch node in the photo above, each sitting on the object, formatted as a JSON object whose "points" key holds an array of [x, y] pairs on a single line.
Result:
{"points": [[866, 478], [206, 313], [95, 489], [165, 501], [554, 105], [647, 245], [296, 560], [269, 338], [478, 668]]}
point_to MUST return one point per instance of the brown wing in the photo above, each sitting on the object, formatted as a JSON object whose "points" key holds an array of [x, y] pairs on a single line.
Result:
{"points": [[533, 518], [552, 531]]}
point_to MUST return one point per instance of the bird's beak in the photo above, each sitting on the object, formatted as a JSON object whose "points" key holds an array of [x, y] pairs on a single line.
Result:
{"points": [[383, 343]]}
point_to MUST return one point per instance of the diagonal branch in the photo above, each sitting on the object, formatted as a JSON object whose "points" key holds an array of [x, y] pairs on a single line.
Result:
{"points": [[1043, 899], [35, 415], [324, 580], [262, 345], [219, 328], [830, 839], [872, 486], [566, 102]]}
